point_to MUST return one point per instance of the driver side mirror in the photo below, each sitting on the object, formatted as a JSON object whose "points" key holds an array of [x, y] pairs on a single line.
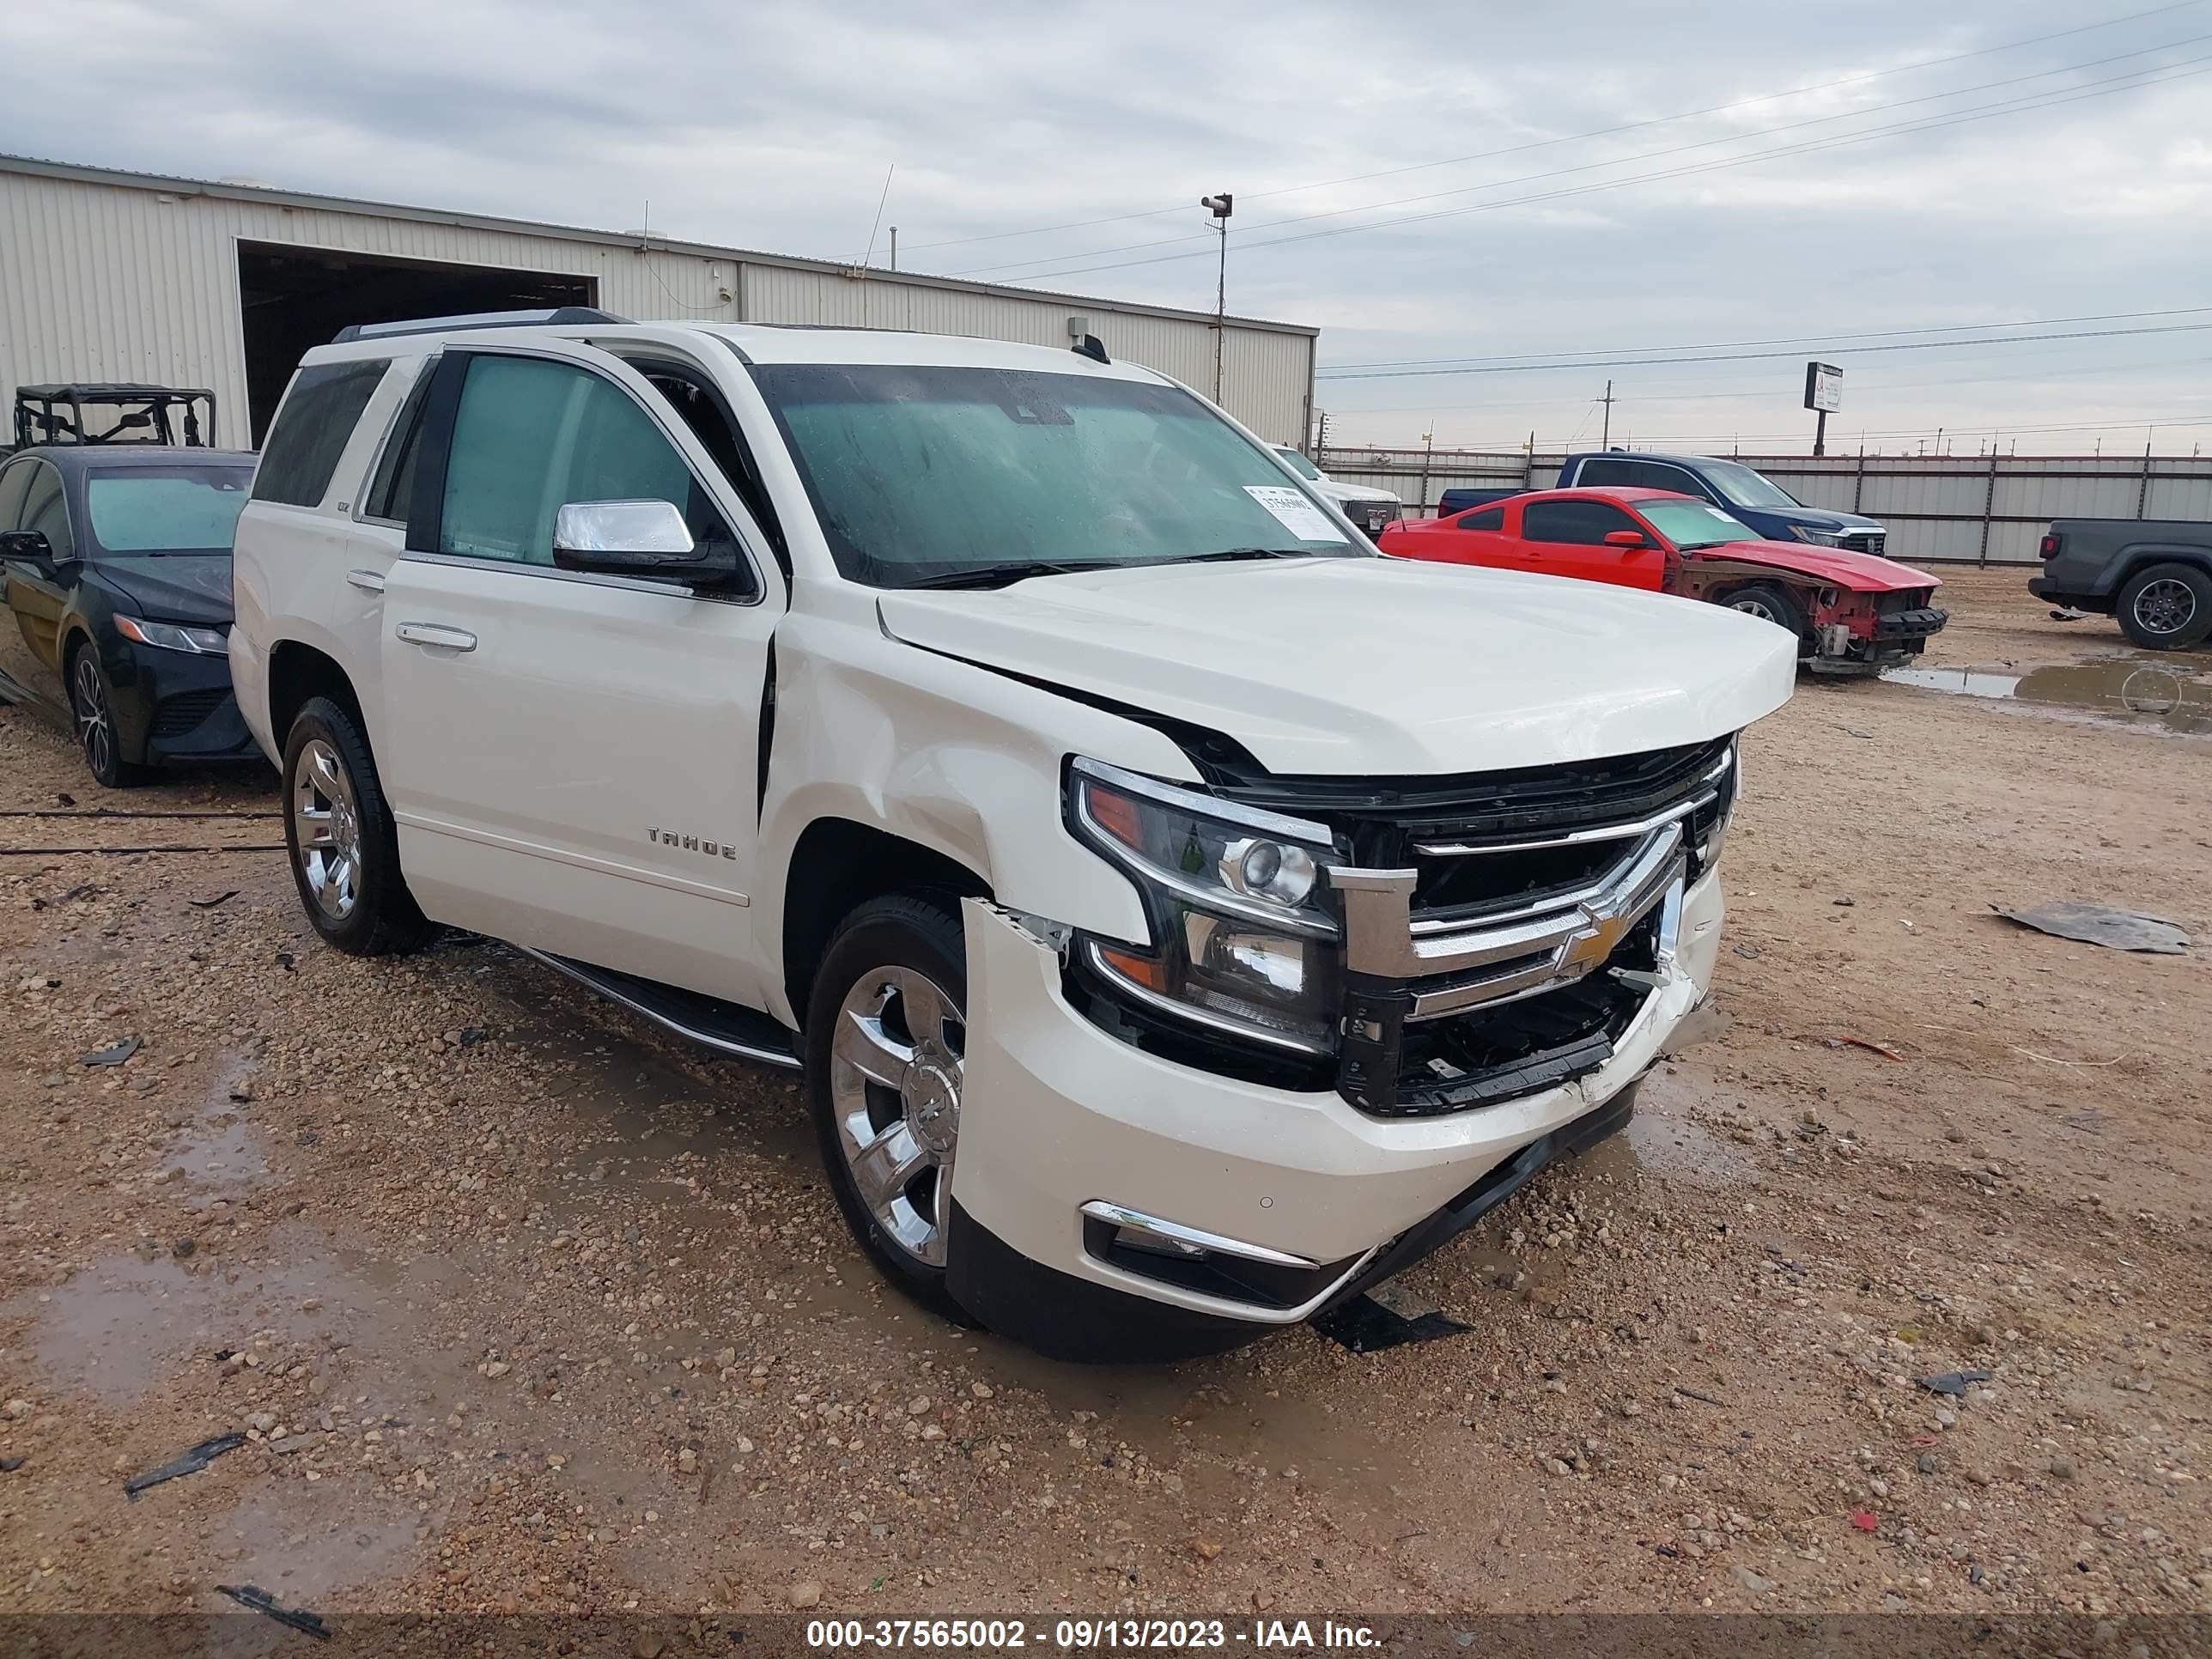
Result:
{"points": [[29, 545], [638, 538], [1626, 539]]}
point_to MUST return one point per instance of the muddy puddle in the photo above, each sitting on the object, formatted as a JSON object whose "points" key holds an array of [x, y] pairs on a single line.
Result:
{"points": [[2140, 691]]}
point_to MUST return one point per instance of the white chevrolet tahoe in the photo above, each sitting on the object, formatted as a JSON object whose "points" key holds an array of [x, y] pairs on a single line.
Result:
{"points": [[1184, 917]]}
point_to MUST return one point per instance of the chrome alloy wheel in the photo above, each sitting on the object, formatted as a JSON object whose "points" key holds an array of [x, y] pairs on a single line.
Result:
{"points": [[1753, 605], [2165, 606], [895, 1071], [96, 727], [326, 829]]}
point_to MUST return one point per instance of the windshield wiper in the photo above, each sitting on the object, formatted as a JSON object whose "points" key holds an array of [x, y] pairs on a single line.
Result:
{"points": [[1229, 554], [1002, 575]]}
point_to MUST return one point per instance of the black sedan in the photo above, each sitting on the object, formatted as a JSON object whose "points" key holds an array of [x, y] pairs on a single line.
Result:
{"points": [[117, 566]]}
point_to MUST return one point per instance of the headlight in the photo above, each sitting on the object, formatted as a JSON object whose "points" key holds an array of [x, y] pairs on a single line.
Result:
{"points": [[171, 637], [1806, 532], [1242, 938]]}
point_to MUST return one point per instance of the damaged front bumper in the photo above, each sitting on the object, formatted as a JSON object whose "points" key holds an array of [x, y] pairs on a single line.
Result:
{"points": [[1096, 1180], [1867, 644]]}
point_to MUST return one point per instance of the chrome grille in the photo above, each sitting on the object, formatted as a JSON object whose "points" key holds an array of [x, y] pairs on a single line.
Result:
{"points": [[1863, 541]]}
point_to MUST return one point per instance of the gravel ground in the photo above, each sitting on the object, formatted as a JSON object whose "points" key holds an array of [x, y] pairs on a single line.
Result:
{"points": [[519, 1307]]}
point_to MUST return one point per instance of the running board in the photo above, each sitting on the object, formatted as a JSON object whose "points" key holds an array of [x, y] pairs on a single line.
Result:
{"points": [[724, 1027]]}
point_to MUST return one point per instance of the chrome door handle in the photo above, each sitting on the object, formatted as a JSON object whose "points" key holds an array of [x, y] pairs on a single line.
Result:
{"points": [[447, 639], [367, 580]]}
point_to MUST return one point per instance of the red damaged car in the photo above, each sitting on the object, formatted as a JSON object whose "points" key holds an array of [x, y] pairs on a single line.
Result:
{"points": [[1853, 613]]}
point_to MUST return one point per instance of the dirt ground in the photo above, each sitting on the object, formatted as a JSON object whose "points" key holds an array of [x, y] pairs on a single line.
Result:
{"points": [[521, 1307]]}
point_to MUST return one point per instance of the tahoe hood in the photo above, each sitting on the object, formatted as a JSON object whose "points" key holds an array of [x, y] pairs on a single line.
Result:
{"points": [[1375, 666]]}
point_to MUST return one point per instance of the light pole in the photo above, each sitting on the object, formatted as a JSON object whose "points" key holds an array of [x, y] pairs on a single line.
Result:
{"points": [[1221, 207]]}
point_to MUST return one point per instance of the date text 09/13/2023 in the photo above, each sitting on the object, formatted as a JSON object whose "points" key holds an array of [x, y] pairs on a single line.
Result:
{"points": [[1087, 1635]]}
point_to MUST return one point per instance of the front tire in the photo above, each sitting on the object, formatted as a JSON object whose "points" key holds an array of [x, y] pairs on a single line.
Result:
{"points": [[2166, 607], [91, 702], [1771, 604], [343, 845], [886, 1038]]}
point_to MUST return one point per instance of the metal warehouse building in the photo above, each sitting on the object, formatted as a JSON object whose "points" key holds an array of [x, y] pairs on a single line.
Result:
{"points": [[107, 276]]}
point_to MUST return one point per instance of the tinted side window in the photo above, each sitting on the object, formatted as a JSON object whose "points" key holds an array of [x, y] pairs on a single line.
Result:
{"points": [[529, 437], [1583, 523], [392, 489], [1603, 471], [1658, 476], [14, 481], [46, 508], [313, 425], [1491, 517]]}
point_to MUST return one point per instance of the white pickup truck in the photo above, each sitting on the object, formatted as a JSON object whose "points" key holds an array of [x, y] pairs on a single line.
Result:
{"points": [[1183, 916]]}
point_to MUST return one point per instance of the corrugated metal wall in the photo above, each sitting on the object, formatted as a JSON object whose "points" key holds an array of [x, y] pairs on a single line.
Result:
{"points": [[1937, 508], [106, 282]]}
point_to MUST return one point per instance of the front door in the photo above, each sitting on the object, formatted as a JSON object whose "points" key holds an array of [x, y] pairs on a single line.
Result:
{"points": [[573, 759], [36, 593], [1568, 539]]}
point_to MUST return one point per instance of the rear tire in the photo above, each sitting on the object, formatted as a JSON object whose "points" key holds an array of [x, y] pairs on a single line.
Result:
{"points": [[343, 845], [1771, 604], [2166, 607], [886, 1036]]}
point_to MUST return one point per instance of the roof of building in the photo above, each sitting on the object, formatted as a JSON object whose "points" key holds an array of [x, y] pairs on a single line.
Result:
{"points": [[270, 196]]}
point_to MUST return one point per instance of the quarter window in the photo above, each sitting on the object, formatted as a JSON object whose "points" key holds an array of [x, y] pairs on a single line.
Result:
{"points": [[1582, 523], [1490, 518], [313, 422], [532, 436], [392, 491]]}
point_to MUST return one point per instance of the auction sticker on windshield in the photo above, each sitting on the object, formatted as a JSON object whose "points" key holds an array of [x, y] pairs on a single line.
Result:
{"points": [[1295, 512]]}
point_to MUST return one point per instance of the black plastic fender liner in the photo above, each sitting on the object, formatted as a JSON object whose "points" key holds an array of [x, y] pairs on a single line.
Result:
{"points": [[1064, 1317], [1493, 1189]]}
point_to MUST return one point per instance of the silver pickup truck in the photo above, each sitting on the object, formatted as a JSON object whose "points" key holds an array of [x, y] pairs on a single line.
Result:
{"points": [[2153, 575]]}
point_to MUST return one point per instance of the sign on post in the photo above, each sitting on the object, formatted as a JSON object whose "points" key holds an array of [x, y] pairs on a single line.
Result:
{"points": [[1824, 392]]}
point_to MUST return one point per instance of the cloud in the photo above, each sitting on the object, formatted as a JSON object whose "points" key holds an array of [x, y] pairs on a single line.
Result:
{"points": [[772, 127]]}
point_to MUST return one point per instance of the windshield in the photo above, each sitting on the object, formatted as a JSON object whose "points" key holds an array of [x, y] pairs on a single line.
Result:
{"points": [[925, 474], [1745, 487], [1692, 524], [1297, 463], [166, 509]]}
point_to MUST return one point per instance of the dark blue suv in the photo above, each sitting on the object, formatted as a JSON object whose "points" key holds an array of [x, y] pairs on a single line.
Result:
{"points": [[1748, 495]]}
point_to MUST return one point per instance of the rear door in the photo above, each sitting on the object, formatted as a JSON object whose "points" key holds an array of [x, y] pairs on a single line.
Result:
{"points": [[1567, 537], [573, 759]]}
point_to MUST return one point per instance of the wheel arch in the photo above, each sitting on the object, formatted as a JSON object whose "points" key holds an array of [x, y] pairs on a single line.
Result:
{"points": [[2139, 556], [839, 863], [299, 672]]}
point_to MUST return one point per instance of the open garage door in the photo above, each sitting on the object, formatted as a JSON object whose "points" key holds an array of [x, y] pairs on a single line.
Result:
{"points": [[292, 298]]}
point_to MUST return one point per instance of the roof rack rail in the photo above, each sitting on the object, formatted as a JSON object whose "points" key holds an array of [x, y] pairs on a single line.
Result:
{"points": [[553, 318]]}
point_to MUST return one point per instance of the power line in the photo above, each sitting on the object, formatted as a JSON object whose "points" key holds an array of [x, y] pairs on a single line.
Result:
{"points": [[1579, 137], [1754, 356], [1771, 391], [1620, 161], [1651, 443], [1787, 340], [2102, 90]]}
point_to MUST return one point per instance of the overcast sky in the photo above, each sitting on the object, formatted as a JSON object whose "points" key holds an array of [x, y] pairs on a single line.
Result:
{"points": [[773, 126]]}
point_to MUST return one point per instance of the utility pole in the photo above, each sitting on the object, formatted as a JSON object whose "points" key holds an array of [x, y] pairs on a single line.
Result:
{"points": [[1604, 436], [1221, 207]]}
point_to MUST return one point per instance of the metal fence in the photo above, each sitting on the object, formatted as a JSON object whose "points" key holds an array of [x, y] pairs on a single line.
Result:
{"points": [[1946, 509]]}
